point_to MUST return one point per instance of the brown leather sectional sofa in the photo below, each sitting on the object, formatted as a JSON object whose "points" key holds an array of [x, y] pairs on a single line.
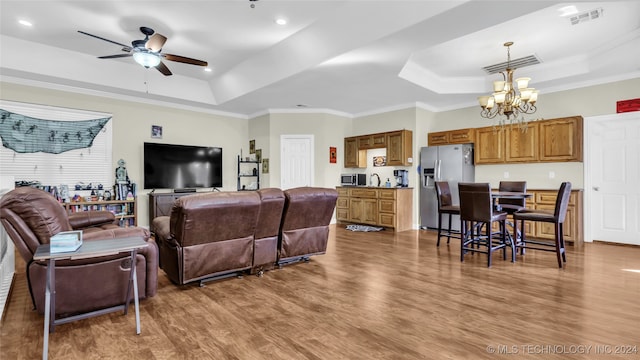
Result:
{"points": [[31, 216], [216, 235]]}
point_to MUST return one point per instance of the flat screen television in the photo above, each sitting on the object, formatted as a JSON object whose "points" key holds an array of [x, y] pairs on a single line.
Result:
{"points": [[179, 167]]}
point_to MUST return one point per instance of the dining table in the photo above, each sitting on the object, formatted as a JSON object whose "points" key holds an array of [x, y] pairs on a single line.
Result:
{"points": [[495, 195]]}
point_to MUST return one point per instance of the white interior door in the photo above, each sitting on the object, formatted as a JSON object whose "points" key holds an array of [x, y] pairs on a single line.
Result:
{"points": [[614, 175], [296, 152]]}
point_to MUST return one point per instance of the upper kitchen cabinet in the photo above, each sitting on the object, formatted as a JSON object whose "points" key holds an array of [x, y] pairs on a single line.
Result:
{"points": [[556, 140], [521, 144], [373, 141], [399, 145], [400, 148], [353, 157], [460, 136], [489, 145], [561, 139]]}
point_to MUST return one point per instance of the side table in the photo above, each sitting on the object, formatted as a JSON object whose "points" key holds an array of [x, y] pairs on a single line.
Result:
{"points": [[89, 249]]}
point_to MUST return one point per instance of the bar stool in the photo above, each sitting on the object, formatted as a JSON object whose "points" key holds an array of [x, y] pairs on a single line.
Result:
{"points": [[445, 206], [476, 210], [556, 217]]}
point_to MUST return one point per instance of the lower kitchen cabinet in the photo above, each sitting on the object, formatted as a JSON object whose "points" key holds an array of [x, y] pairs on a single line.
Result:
{"points": [[546, 200], [386, 207]]}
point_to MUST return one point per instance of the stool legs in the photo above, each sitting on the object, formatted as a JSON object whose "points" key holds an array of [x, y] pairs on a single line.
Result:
{"points": [[439, 228]]}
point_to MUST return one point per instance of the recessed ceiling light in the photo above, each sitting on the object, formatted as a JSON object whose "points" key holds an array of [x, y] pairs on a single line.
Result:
{"points": [[281, 21], [208, 69], [25, 23]]}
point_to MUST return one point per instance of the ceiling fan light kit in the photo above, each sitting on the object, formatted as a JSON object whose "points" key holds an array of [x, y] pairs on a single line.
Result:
{"points": [[146, 59], [505, 100], [147, 52]]}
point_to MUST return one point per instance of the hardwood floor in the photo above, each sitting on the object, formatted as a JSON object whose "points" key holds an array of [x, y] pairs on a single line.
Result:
{"points": [[380, 295]]}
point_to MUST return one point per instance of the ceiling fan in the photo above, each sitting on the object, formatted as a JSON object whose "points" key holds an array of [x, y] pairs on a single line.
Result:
{"points": [[147, 52]]}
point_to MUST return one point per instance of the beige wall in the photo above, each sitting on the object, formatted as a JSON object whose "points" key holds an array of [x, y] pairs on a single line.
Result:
{"points": [[327, 129], [132, 127], [132, 122]]}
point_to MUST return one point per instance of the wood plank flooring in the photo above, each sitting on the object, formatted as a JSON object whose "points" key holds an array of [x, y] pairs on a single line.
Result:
{"points": [[380, 295]]}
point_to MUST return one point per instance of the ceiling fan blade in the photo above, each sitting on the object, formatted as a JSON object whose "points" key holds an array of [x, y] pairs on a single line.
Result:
{"points": [[164, 69], [127, 47], [114, 56], [185, 60], [156, 42]]}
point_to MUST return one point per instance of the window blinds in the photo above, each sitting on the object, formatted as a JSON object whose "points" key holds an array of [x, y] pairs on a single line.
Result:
{"points": [[87, 165]]}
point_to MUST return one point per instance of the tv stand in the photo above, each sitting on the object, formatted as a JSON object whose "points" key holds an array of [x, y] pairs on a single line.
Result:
{"points": [[180, 191]]}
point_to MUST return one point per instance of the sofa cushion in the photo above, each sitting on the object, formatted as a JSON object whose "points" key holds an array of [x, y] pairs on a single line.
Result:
{"points": [[211, 217]]}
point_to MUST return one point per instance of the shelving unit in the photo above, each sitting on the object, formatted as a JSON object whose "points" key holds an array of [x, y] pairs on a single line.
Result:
{"points": [[125, 210], [248, 173]]}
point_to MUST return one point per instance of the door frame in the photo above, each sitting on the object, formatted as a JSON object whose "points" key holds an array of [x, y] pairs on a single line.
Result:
{"points": [[284, 138], [589, 139]]}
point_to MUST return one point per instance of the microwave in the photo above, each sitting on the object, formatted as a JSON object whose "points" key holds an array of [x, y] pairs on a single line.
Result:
{"points": [[353, 179]]}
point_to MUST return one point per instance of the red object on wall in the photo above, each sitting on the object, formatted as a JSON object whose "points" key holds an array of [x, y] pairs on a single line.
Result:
{"points": [[628, 105], [333, 156]]}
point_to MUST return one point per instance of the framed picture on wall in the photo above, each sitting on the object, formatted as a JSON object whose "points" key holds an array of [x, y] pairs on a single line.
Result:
{"points": [[252, 146], [258, 155], [265, 166], [156, 132], [333, 155]]}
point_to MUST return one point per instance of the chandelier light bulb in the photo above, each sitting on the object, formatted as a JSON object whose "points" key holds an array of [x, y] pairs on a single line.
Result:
{"points": [[523, 82]]}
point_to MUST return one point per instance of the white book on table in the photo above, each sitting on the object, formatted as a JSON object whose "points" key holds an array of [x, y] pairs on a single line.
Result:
{"points": [[65, 241]]}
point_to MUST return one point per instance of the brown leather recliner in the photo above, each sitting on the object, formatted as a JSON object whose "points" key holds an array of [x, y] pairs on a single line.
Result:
{"points": [[265, 252], [208, 236], [305, 223], [31, 216]]}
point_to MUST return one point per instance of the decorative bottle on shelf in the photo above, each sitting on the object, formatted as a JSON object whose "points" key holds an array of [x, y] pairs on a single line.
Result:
{"points": [[388, 183]]}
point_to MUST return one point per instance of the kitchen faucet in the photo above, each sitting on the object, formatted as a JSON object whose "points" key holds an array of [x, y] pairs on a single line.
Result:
{"points": [[371, 179]]}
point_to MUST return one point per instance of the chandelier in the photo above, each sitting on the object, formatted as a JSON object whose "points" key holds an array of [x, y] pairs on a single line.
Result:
{"points": [[505, 100]]}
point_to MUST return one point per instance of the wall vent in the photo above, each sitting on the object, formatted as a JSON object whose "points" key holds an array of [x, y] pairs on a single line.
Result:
{"points": [[586, 16], [515, 64]]}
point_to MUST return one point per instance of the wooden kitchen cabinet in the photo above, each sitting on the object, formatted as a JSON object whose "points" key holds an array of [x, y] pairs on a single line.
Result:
{"points": [[400, 148], [521, 145], [386, 207], [363, 205], [561, 139], [572, 228], [459, 136], [399, 145], [342, 204], [353, 157], [373, 141], [438, 138], [555, 140], [489, 145], [546, 200], [363, 211]]}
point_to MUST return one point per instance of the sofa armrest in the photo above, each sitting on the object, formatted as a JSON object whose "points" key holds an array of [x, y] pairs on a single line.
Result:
{"points": [[85, 219], [117, 232]]}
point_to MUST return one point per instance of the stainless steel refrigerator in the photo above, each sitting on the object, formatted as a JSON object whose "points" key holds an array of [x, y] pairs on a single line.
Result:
{"points": [[452, 163]]}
